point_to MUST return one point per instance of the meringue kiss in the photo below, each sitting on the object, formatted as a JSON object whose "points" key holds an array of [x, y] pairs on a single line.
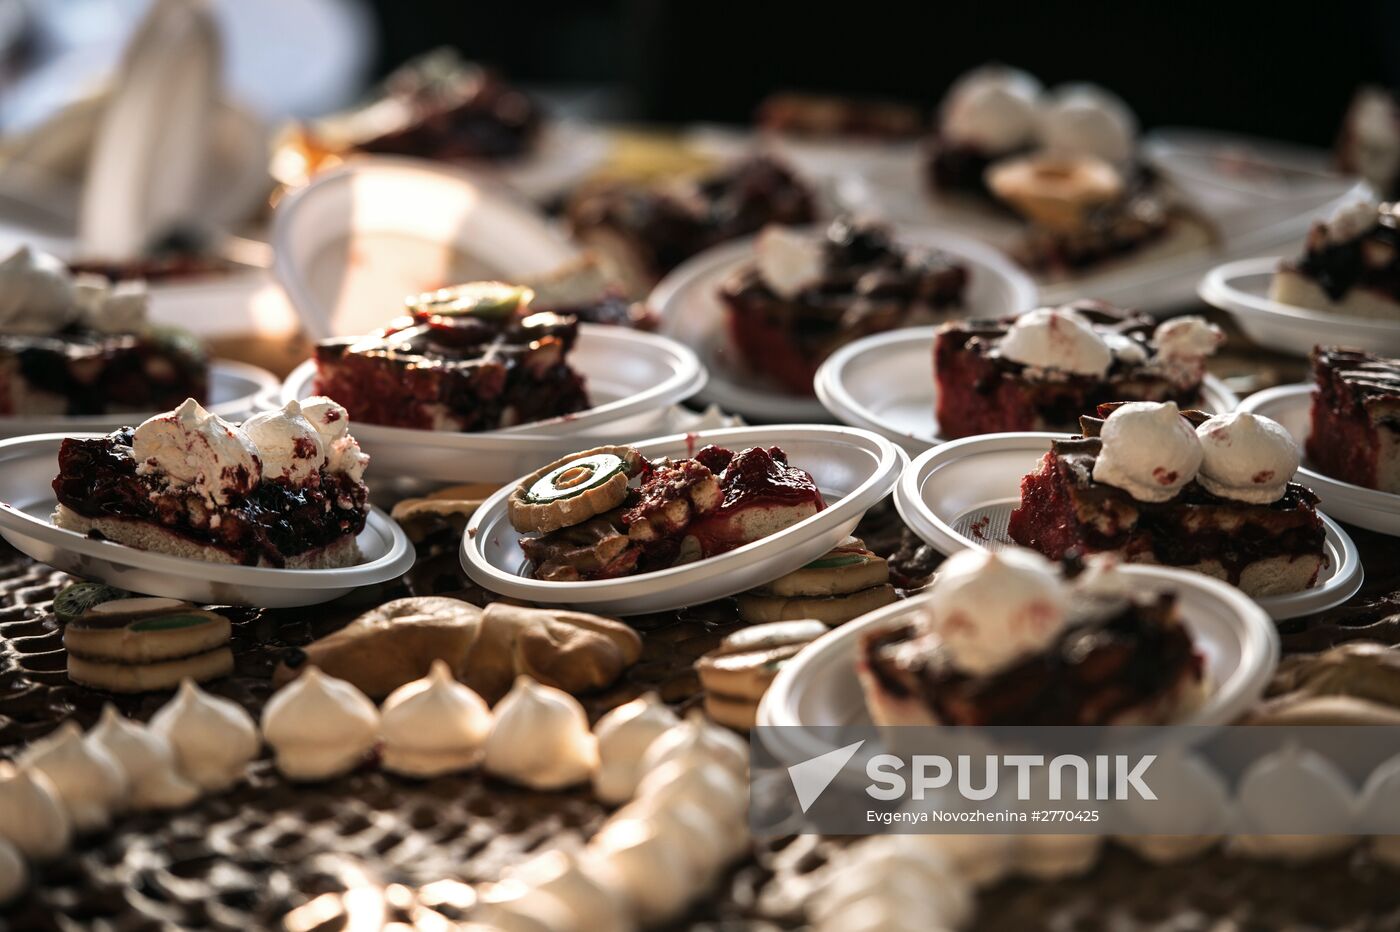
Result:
{"points": [[433, 726], [320, 726], [624, 735], [213, 738], [541, 738]]}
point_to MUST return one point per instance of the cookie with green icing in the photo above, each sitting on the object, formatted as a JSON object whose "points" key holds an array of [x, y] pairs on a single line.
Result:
{"points": [[572, 490], [142, 644]]}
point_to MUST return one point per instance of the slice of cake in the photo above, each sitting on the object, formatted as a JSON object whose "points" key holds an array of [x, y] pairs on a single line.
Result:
{"points": [[1355, 433], [1153, 484], [1350, 265]]}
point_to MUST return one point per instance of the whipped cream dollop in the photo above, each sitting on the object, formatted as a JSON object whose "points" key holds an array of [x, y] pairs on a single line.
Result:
{"points": [[788, 260], [1149, 451], [992, 109], [122, 307], [213, 738], [1084, 119], [1125, 348], [541, 738], [624, 734], [1187, 338], [194, 448], [32, 817], [1103, 576], [1352, 220], [1303, 783], [319, 726], [1247, 457], [332, 422], [1056, 338], [288, 445], [698, 739], [895, 876], [14, 873], [647, 868], [90, 782], [1186, 818], [148, 760], [37, 296], [574, 882], [991, 609], [434, 725]]}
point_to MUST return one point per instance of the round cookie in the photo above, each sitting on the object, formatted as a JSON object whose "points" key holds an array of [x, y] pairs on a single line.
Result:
{"points": [[832, 610], [571, 490]]}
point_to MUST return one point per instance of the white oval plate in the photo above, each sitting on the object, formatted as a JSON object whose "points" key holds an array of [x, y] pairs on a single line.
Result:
{"points": [[1291, 406], [234, 388], [1242, 290], [818, 688], [884, 383], [853, 468], [350, 245], [27, 468], [687, 301], [976, 481], [634, 377]]}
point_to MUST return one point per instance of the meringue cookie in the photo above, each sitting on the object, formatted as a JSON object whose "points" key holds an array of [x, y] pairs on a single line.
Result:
{"points": [[194, 448], [1084, 119], [1299, 782], [991, 609], [213, 738], [1056, 338], [288, 445], [1247, 457], [148, 760], [541, 738], [513, 907], [1193, 804], [14, 873], [982, 859], [332, 422], [789, 261], [1187, 338], [697, 738], [1149, 451], [992, 108], [893, 869], [433, 726], [706, 842], [1380, 811], [704, 783], [90, 783], [36, 293], [122, 309], [319, 726], [32, 817], [624, 735], [573, 882], [634, 859]]}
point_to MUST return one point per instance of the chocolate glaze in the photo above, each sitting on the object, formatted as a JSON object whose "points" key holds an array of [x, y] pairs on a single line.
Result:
{"points": [[1371, 260]]}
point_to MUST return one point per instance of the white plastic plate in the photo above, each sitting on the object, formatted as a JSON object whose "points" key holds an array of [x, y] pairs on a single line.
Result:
{"points": [[1291, 405], [960, 495], [687, 301], [853, 468], [819, 687], [632, 377], [353, 243], [885, 383], [234, 388], [27, 469], [1242, 290]]}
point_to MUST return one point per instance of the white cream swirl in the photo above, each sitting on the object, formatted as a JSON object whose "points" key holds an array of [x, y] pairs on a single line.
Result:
{"points": [[288, 445], [37, 295], [1056, 338], [319, 726], [332, 422], [992, 109], [1246, 457], [194, 448], [1149, 451]]}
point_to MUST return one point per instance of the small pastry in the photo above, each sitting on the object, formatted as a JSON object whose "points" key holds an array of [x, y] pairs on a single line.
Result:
{"points": [[319, 726], [214, 739], [145, 644], [736, 674], [540, 739], [445, 509], [433, 726], [571, 490], [148, 761], [14, 873], [704, 783], [1307, 788], [572, 881], [32, 817], [1185, 820], [89, 782], [624, 734], [705, 842], [647, 868], [698, 740], [1056, 191], [902, 877], [1380, 812]]}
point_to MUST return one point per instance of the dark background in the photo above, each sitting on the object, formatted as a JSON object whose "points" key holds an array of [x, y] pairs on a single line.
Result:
{"points": [[1284, 69]]}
